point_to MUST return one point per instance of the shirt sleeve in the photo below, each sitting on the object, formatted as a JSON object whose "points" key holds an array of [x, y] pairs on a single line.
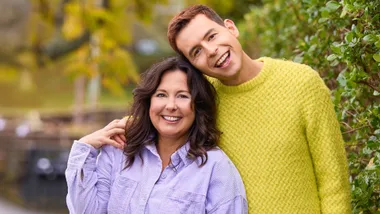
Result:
{"points": [[327, 148], [226, 193], [88, 178]]}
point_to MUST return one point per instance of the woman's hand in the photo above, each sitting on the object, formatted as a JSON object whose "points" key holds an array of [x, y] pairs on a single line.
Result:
{"points": [[105, 135], [120, 138]]}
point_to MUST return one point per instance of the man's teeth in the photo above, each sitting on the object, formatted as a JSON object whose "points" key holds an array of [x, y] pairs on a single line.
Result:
{"points": [[171, 118], [221, 60]]}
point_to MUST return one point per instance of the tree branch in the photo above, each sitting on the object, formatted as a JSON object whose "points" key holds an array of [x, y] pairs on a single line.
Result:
{"points": [[369, 85], [354, 130], [60, 47]]}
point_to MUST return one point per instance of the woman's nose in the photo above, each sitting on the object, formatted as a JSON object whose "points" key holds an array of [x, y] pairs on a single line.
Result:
{"points": [[171, 105]]}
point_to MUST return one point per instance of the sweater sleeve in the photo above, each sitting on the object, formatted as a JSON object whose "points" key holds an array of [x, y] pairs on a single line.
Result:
{"points": [[327, 148], [88, 180]]}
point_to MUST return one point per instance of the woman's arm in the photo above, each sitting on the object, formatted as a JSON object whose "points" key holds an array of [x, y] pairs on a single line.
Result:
{"points": [[89, 179]]}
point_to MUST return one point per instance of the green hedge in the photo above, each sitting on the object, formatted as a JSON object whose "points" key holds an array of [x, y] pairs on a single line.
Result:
{"points": [[341, 40]]}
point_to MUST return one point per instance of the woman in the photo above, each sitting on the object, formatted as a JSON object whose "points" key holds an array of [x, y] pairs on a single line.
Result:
{"points": [[170, 163]]}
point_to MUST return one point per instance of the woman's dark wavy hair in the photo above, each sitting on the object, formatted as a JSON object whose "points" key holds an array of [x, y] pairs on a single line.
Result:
{"points": [[203, 134]]}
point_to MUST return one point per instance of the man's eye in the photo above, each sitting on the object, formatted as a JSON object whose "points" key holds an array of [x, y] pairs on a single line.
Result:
{"points": [[197, 51], [212, 36]]}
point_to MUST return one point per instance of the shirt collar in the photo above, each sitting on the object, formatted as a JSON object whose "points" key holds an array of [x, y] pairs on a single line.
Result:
{"points": [[182, 155], [177, 157]]}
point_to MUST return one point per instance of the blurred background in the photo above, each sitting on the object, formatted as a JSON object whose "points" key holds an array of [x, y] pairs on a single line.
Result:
{"points": [[67, 68]]}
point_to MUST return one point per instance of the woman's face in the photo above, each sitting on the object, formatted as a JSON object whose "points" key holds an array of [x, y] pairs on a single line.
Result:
{"points": [[171, 109]]}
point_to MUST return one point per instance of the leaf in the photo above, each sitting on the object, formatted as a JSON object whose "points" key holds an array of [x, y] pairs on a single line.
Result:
{"points": [[113, 85], [344, 12], [321, 20], [298, 59], [312, 48], [376, 57], [72, 27], [349, 37], [334, 63], [331, 57], [370, 38], [342, 80], [377, 44], [332, 6], [335, 47]]}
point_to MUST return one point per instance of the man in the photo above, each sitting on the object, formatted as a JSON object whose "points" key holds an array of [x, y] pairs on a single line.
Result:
{"points": [[278, 122]]}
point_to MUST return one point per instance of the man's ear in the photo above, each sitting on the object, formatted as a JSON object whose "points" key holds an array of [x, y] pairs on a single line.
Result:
{"points": [[230, 25]]}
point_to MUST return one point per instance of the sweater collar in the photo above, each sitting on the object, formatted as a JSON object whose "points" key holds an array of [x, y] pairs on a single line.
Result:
{"points": [[250, 84]]}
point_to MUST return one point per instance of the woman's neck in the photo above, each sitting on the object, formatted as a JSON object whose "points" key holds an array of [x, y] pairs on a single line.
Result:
{"points": [[167, 146]]}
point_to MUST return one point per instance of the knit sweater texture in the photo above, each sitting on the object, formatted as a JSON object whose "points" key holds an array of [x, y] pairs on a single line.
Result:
{"points": [[281, 132]]}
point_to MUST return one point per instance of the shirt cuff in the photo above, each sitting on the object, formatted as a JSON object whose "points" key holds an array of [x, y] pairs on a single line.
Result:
{"points": [[82, 156]]}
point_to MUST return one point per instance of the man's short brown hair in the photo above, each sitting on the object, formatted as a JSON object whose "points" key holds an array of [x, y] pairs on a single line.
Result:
{"points": [[184, 17]]}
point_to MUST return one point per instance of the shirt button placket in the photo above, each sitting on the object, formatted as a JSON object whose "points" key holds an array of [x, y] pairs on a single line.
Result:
{"points": [[142, 203], [163, 176]]}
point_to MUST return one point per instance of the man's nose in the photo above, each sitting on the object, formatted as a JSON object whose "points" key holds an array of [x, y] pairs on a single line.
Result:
{"points": [[211, 50]]}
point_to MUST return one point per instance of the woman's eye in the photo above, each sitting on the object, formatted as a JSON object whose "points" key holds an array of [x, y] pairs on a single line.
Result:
{"points": [[183, 96], [160, 95]]}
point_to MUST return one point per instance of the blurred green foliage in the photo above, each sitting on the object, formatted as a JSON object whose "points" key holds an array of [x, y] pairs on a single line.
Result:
{"points": [[228, 9], [76, 39], [341, 40], [73, 39]]}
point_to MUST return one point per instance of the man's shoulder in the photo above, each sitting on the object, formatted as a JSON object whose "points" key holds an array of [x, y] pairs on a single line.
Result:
{"points": [[286, 65], [293, 71]]}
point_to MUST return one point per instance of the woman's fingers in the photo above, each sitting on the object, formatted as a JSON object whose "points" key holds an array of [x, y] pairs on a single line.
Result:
{"points": [[115, 131], [115, 134], [113, 143], [111, 125], [123, 138], [119, 139]]}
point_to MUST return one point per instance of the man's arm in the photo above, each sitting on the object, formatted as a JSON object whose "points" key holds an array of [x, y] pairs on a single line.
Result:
{"points": [[326, 148]]}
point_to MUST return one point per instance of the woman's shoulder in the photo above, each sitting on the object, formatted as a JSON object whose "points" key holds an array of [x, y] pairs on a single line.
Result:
{"points": [[217, 156], [115, 155]]}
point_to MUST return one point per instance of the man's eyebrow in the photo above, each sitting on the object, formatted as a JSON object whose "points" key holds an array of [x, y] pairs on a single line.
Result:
{"points": [[206, 34]]}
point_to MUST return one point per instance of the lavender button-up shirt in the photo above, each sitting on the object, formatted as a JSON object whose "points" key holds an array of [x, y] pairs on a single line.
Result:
{"points": [[102, 184]]}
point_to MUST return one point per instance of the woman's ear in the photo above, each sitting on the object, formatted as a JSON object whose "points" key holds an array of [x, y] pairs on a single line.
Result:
{"points": [[230, 25]]}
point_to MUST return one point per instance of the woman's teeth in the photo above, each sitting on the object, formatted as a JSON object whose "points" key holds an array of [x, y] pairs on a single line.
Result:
{"points": [[171, 118]]}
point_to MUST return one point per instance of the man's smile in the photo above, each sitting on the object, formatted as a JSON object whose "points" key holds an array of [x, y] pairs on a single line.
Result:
{"points": [[223, 61]]}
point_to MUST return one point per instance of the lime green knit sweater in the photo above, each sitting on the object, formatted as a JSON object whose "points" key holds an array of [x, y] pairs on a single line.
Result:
{"points": [[281, 132]]}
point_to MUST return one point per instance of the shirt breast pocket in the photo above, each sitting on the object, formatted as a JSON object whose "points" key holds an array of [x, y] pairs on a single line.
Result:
{"points": [[121, 193], [179, 201]]}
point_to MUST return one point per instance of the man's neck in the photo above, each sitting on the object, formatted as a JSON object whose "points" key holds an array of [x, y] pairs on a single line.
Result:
{"points": [[249, 70]]}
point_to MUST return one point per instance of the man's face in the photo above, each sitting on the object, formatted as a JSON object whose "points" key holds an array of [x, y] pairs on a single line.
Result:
{"points": [[212, 48]]}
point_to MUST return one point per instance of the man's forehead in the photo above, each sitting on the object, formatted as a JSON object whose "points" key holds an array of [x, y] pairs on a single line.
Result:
{"points": [[194, 32], [188, 35]]}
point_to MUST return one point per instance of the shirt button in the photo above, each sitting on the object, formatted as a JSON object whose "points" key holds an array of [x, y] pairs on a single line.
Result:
{"points": [[163, 176]]}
